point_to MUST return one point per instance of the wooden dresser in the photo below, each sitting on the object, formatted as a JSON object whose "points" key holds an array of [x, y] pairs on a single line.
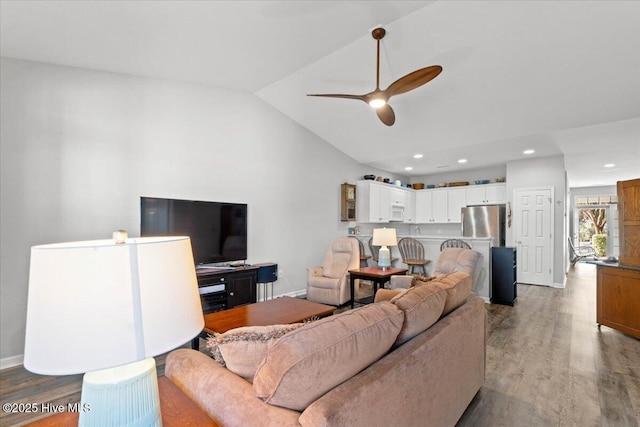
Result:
{"points": [[618, 293], [618, 298]]}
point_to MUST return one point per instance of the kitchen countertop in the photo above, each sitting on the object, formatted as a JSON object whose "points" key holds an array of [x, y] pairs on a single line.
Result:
{"points": [[426, 236]]}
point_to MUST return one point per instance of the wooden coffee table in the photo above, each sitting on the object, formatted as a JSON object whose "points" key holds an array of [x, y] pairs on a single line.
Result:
{"points": [[279, 311], [376, 274]]}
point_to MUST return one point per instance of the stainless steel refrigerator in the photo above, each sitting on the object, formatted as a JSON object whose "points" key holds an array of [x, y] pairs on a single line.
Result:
{"points": [[484, 221]]}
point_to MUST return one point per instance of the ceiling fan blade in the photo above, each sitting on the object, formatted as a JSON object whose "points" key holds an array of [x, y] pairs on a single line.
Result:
{"points": [[386, 114], [413, 80], [338, 95]]}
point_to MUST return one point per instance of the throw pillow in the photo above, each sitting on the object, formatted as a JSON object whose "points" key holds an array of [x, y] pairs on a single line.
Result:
{"points": [[422, 307], [419, 280], [242, 349], [308, 362], [387, 294]]}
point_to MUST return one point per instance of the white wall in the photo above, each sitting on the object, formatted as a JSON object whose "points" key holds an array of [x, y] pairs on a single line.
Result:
{"points": [[79, 148], [543, 172]]}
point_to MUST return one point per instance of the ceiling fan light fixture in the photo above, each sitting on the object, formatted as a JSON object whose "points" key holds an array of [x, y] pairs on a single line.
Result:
{"points": [[377, 103], [378, 99]]}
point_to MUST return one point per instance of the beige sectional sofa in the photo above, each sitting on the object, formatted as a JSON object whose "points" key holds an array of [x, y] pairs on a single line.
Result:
{"points": [[403, 362]]}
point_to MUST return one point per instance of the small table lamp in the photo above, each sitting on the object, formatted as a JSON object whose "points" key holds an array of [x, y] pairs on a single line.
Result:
{"points": [[105, 308], [384, 237]]}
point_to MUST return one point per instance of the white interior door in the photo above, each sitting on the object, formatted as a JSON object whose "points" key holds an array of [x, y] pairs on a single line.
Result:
{"points": [[533, 223]]}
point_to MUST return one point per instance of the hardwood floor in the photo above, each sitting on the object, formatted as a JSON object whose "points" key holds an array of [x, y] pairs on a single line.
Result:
{"points": [[547, 364]]}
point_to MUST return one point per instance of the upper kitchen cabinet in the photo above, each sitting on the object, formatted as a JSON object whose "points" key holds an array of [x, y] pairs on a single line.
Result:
{"points": [[439, 205], [374, 202], [410, 207], [456, 200], [488, 194], [398, 196]]}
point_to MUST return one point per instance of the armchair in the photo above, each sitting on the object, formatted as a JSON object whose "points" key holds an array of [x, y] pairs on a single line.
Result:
{"points": [[329, 283], [450, 260]]}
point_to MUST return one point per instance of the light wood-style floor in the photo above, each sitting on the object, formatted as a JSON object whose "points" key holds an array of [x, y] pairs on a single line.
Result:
{"points": [[547, 365]]}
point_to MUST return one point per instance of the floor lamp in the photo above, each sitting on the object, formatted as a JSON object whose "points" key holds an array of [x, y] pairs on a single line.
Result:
{"points": [[105, 308]]}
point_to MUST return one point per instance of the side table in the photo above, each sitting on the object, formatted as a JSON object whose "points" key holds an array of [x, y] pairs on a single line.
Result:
{"points": [[376, 274], [176, 409]]}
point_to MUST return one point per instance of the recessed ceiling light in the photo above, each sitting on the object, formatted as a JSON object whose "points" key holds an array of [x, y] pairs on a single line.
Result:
{"points": [[462, 161], [609, 165], [418, 156], [408, 168], [528, 151]]}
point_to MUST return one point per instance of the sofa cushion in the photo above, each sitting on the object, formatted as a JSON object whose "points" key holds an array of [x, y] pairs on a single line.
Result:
{"points": [[422, 307], [458, 286], [308, 362], [242, 349]]}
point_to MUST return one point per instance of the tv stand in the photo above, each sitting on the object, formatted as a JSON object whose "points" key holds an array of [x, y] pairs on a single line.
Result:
{"points": [[222, 287]]}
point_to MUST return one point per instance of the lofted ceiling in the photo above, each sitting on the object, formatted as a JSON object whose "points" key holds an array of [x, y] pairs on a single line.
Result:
{"points": [[558, 77]]}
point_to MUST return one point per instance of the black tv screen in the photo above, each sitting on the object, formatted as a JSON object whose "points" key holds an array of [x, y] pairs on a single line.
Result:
{"points": [[218, 231]]}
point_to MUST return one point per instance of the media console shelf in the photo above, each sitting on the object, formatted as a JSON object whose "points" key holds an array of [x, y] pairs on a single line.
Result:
{"points": [[228, 287]]}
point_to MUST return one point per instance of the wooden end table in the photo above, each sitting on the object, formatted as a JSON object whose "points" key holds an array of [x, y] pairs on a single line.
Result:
{"points": [[176, 409], [279, 311], [377, 275]]}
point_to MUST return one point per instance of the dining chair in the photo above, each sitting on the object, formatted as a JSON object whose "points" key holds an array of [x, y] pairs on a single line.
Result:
{"points": [[454, 243], [412, 252]]}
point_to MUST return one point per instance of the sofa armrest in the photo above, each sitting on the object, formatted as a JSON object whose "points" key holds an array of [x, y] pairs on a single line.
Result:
{"points": [[315, 272], [398, 282], [226, 397]]}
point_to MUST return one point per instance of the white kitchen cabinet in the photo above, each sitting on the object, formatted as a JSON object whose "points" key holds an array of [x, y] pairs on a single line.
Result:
{"points": [[424, 203], [373, 202], [440, 205], [457, 199], [410, 207], [398, 196], [488, 194]]}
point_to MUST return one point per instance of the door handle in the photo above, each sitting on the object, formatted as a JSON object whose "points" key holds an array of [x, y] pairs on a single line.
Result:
{"points": [[519, 242]]}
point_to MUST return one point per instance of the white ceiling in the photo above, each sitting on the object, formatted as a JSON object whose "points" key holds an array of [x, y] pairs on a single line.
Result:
{"points": [[559, 77]]}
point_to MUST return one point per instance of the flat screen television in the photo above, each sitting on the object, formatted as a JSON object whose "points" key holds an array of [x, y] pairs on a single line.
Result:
{"points": [[218, 231]]}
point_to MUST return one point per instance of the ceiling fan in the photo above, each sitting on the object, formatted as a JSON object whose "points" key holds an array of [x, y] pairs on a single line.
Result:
{"points": [[378, 99]]}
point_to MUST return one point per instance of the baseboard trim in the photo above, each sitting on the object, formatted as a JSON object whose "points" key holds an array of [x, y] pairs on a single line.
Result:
{"points": [[10, 362], [294, 294]]}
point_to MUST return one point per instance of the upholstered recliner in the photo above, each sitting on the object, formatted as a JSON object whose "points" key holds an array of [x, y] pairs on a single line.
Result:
{"points": [[451, 260], [329, 283]]}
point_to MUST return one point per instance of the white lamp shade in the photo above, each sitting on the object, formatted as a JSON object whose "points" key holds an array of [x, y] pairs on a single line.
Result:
{"points": [[96, 304], [384, 237]]}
